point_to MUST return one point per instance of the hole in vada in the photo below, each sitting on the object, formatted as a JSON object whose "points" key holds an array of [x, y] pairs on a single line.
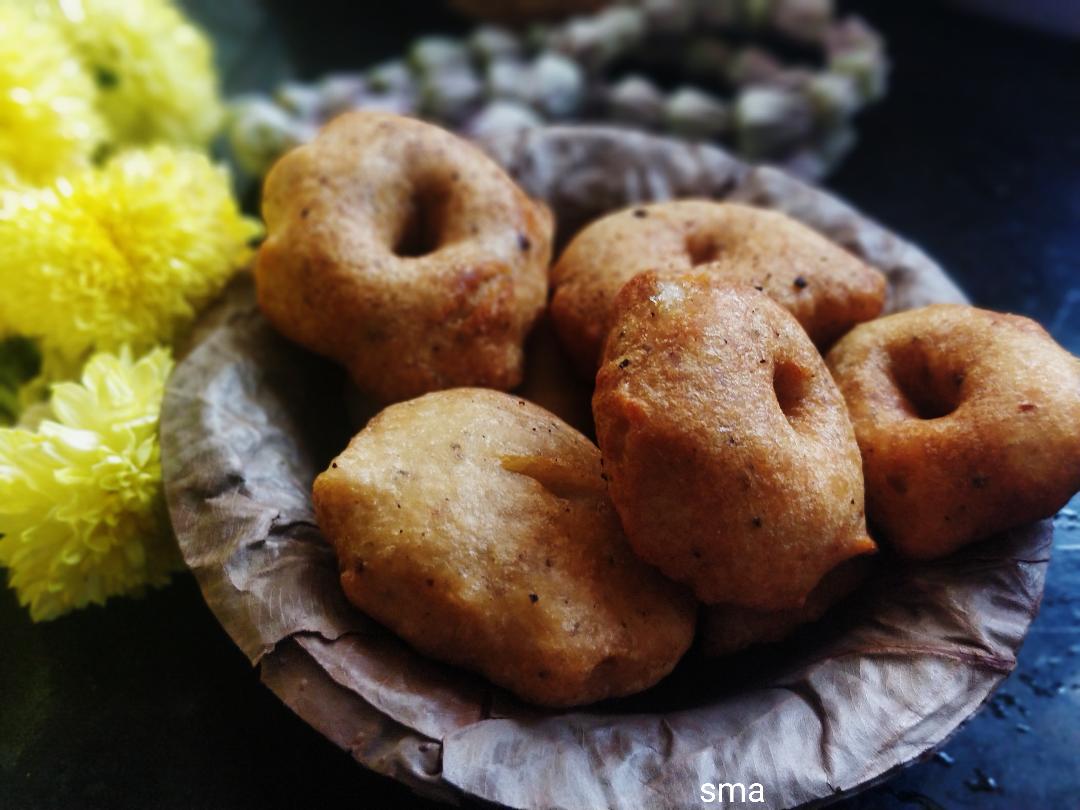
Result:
{"points": [[926, 395], [421, 229], [702, 249], [790, 385]]}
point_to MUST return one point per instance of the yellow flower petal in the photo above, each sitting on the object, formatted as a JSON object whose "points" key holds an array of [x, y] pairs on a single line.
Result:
{"points": [[122, 255], [153, 69], [81, 509], [49, 123]]}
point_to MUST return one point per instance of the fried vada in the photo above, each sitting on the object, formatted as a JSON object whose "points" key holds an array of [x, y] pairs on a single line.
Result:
{"points": [[726, 629], [731, 460], [404, 253], [968, 422], [477, 527], [826, 288]]}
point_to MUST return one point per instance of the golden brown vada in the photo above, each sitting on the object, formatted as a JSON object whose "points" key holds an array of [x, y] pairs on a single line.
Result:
{"points": [[731, 460], [477, 527], [968, 421], [404, 253], [726, 629], [826, 288]]}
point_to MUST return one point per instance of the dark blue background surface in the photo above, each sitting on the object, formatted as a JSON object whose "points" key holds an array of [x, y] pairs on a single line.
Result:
{"points": [[975, 155]]}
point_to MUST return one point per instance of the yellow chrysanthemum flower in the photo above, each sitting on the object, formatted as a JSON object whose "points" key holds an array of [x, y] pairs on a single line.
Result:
{"points": [[122, 255], [48, 120], [154, 69], [81, 508]]}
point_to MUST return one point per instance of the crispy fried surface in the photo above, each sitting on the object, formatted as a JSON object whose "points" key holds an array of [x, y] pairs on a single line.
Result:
{"points": [[477, 526], [731, 459], [968, 421], [404, 253], [826, 288], [726, 629]]}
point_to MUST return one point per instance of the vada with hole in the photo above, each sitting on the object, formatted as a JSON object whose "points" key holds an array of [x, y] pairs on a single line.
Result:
{"points": [[827, 289], [731, 460], [968, 422], [404, 253], [477, 527]]}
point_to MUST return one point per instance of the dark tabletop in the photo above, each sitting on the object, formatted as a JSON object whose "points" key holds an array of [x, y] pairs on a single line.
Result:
{"points": [[975, 155]]}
